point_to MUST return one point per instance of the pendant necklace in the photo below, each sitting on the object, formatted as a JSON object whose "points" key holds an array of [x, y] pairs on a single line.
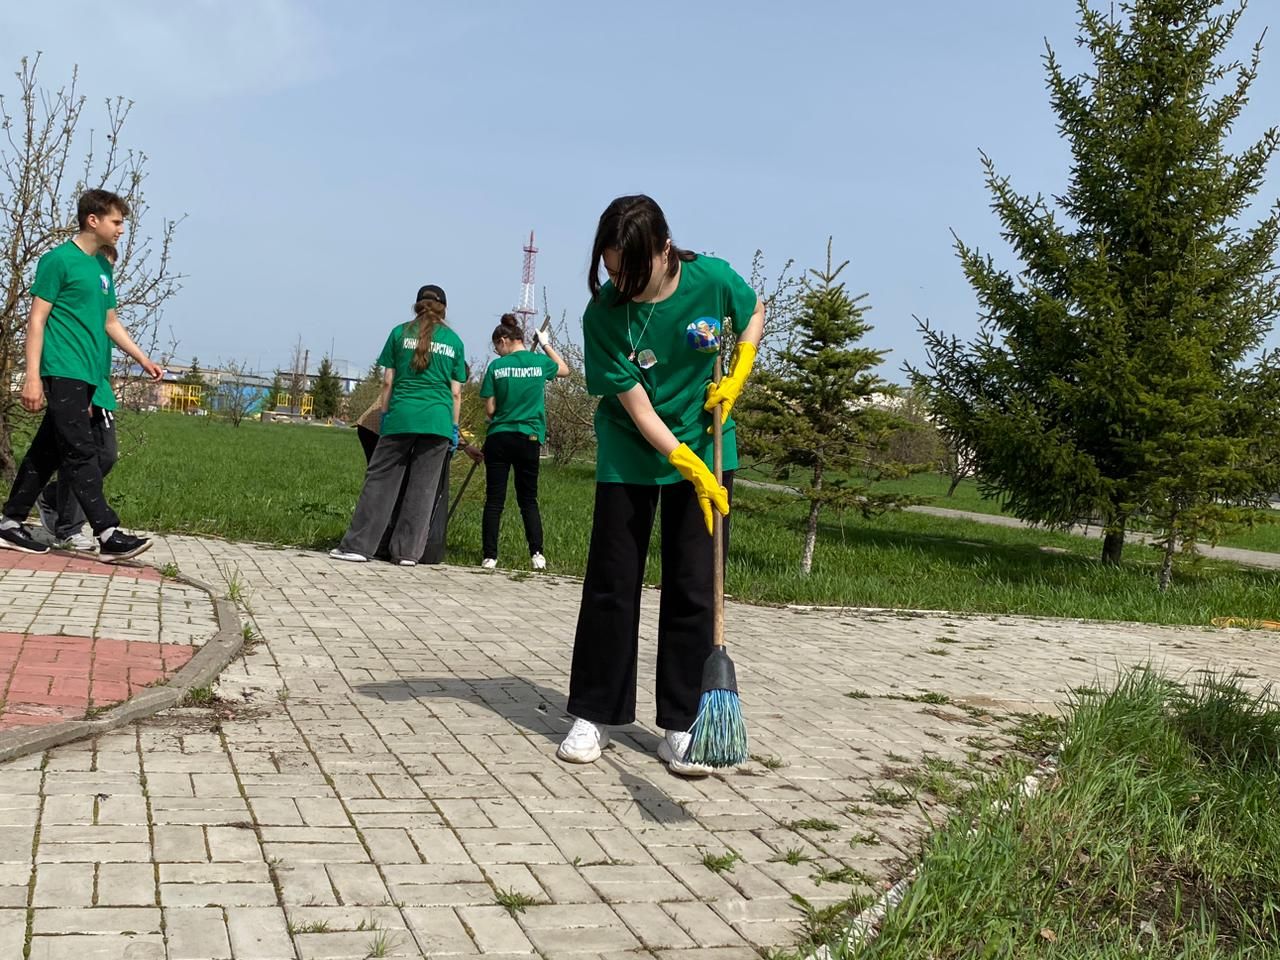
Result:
{"points": [[645, 358]]}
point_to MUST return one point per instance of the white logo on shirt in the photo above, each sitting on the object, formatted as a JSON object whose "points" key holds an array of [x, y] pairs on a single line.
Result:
{"points": [[411, 343], [105, 281], [503, 372]]}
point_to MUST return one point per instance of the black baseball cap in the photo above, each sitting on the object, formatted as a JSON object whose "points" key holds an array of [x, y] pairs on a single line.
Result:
{"points": [[432, 292]]}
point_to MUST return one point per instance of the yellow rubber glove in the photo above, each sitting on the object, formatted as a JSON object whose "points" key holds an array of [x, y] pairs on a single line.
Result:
{"points": [[710, 493], [730, 386]]}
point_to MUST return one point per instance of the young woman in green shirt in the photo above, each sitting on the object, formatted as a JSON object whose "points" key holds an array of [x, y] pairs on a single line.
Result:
{"points": [[515, 402], [421, 401], [651, 334]]}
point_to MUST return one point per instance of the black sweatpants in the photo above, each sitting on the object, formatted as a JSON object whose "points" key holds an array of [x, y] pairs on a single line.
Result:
{"points": [[58, 495], [64, 442], [602, 681], [505, 452]]}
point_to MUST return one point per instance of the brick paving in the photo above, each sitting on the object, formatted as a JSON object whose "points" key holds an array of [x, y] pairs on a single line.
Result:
{"points": [[381, 778], [77, 636]]}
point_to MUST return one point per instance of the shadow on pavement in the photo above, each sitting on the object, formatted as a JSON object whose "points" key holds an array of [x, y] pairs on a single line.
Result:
{"points": [[538, 710]]}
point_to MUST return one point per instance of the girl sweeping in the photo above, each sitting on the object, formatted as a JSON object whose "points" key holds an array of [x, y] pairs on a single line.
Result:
{"points": [[516, 406], [422, 400], [651, 335]]}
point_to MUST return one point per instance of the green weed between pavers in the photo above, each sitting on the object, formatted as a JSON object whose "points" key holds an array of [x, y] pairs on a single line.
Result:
{"points": [[297, 485], [1157, 837], [200, 697], [718, 863], [513, 900]]}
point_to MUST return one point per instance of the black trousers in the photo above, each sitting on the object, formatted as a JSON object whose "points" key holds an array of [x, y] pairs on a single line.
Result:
{"points": [[64, 442], [58, 495], [505, 452], [602, 681]]}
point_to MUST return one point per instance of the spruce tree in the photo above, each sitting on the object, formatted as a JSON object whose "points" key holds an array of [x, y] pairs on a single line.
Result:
{"points": [[1116, 374], [817, 413], [276, 393], [194, 377], [326, 392]]}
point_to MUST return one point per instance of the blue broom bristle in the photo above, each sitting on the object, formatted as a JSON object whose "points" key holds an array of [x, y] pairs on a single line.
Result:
{"points": [[719, 732]]}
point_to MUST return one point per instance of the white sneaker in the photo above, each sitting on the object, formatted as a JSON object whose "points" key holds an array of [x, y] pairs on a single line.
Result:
{"points": [[539, 561], [583, 742], [407, 563], [337, 553], [671, 751], [489, 563], [79, 542]]}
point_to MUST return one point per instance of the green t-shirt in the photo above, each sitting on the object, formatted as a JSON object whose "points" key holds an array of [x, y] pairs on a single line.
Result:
{"points": [[104, 397], [516, 382], [683, 333], [81, 289], [422, 400]]}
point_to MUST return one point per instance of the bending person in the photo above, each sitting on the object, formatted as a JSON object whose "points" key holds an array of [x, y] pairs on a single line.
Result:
{"points": [[425, 367], [651, 335]]}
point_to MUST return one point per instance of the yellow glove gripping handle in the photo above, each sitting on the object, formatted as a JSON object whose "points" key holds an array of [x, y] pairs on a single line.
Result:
{"points": [[730, 387], [710, 493]]}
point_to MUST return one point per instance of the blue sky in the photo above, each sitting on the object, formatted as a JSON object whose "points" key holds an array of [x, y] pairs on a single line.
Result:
{"points": [[332, 157]]}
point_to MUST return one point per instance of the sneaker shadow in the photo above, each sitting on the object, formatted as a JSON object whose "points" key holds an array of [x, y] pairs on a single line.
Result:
{"points": [[539, 710]]}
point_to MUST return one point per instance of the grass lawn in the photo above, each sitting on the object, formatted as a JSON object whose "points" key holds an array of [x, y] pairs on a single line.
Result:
{"points": [[1264, 536], [297, 485], [1158, 837]]}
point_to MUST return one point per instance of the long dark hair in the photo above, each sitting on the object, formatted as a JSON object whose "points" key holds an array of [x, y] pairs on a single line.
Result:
{"points": [[430, 313], [637, 228], [508, 328]]}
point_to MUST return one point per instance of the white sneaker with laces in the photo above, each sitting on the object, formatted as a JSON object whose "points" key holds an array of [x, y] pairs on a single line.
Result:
{"points": [[539, 561], [671, 751], [337, 553], [80, 542], [583, 742], [489, 563]]}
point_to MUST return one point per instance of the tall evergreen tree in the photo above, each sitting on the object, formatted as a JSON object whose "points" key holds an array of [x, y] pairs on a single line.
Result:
{"points": [[326, 392], [1112, 377], [816, 413], [194, 375], [276, 396]]}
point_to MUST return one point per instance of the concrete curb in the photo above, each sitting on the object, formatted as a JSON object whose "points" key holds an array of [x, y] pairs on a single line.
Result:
{"points": [[201, 670]]}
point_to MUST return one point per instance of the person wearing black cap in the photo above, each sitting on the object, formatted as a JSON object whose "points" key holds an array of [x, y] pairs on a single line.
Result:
{"points": [[425, 367]]}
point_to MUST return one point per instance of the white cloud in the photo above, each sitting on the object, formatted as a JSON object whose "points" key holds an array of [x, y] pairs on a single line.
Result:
{"points": [[191, 49]]}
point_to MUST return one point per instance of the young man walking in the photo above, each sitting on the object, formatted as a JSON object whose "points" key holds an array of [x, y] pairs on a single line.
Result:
{"points": [[73, 313]]}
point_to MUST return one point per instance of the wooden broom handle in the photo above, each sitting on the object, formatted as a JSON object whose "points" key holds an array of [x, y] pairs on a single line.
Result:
{"points": [[717, 521]]}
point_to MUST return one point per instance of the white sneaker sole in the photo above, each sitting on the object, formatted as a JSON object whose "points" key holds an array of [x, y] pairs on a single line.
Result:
{"points": [[5, 544], [680, 768], [348, 557], [591, 756], [118, 557]]}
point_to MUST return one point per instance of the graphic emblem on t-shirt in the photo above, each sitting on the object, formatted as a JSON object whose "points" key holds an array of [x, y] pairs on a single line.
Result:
{"points": [[703, 335], [105, 281]]}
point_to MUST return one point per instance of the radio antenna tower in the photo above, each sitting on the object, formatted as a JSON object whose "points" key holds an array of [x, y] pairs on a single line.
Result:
{"points": [[528, 300]]}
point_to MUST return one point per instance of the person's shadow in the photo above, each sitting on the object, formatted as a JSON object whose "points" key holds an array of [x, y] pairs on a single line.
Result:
{"points": [[538, 710]]}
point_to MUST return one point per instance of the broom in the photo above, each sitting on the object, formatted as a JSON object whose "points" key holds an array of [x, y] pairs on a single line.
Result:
{"points": [[719, 734]]}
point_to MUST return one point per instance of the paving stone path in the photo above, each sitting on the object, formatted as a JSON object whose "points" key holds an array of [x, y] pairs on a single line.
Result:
{"points": [[77, 636], [380, 777]]}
